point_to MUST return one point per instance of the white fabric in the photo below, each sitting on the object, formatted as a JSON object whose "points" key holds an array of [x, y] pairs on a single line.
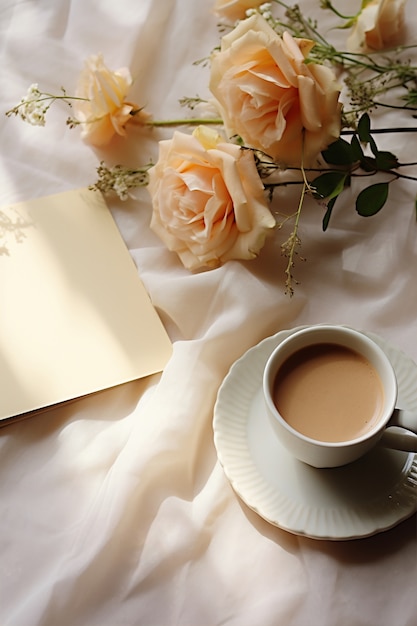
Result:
{"points": [[114, 509]]}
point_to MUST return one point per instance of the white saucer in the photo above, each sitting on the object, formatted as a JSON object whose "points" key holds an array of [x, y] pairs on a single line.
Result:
{"points": [[358, 500]]}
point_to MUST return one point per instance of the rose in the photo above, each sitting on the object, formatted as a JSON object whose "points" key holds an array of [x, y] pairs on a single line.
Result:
{"points": [[378, 25], [101, 109], [270, 97], [234, 9], [208, 200]]}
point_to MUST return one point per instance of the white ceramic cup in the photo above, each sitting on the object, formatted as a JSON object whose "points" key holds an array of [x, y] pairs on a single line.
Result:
{"points": [[332, 454]]}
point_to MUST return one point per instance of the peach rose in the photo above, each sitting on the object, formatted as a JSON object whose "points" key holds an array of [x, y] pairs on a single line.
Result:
{"points": [[104, 112], [208, 201], [234, 10], [270, 97], [378, 26]]}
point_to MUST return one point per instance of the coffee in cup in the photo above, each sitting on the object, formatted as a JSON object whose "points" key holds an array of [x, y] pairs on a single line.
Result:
{"points": [[340, 387], [330, 392]]}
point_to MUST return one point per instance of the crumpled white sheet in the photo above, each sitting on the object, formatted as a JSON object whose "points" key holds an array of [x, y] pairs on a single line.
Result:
{"points": [[114, 509]]}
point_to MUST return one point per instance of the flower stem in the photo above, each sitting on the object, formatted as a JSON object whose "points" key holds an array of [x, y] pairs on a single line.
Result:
{"points": [[289, 248], [182, 122], [326, 4], [382, 131]]}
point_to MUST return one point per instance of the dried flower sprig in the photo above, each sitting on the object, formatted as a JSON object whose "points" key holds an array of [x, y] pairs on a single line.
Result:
{"points": [[120, 180], [34, 106], [291, 246]]}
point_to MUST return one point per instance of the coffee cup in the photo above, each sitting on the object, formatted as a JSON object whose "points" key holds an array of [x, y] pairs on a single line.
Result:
{"points": [[331, 394]]}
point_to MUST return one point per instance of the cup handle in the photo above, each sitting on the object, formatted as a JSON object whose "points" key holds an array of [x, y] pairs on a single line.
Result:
{"points": [[404, 436]]}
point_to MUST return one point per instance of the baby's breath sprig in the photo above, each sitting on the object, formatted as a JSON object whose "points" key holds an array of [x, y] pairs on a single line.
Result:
{"points": [[191, 102], [294, 22], [120, 180], [34, 106], [291, 246]]}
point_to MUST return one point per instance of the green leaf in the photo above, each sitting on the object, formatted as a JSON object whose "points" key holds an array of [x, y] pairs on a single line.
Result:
{"points": [[386, 161], [373, 146], [356, 148], [339, 152], [372, 199], [364, 128], [364, 132], [382, 162], [329, 185], [368, 164], [328, 213]]}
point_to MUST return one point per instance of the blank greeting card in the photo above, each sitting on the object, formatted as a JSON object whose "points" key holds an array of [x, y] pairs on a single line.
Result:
{"points": [[75, 317]]}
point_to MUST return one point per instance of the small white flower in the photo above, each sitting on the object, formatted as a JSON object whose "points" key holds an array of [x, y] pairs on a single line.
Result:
{"points": [[120, 187], [32, 109], [120, 180]]}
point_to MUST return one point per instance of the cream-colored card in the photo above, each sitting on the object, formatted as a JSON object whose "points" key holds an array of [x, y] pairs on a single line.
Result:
{"points": [[74, 316]]}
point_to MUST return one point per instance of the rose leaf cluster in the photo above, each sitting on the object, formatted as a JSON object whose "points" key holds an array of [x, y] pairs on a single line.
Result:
{"points": [[343, 159]]}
